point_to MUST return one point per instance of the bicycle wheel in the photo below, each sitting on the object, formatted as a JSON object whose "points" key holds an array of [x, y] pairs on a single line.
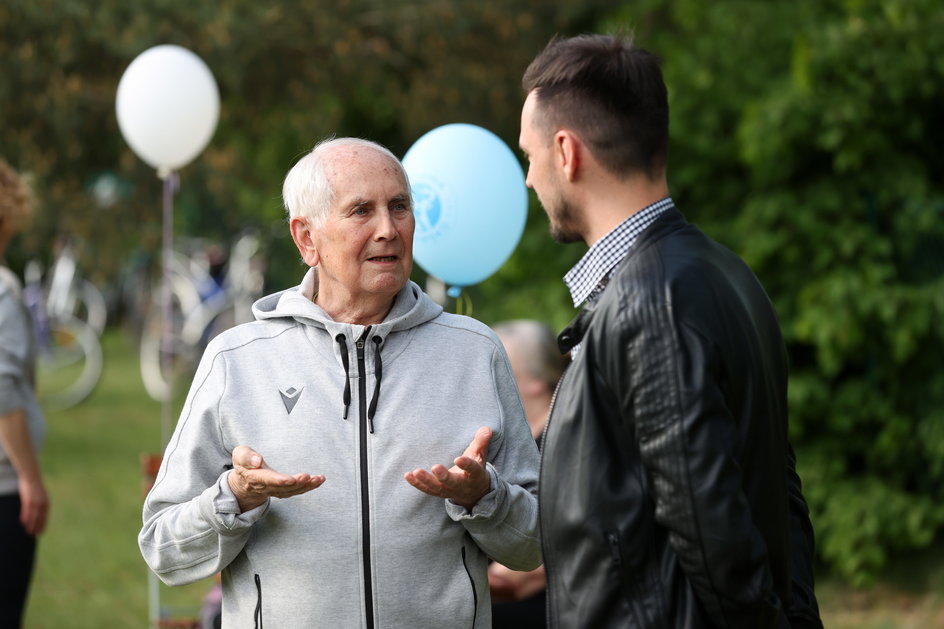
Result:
{"points": [[167, 360], [69, 365], [90, 305]]}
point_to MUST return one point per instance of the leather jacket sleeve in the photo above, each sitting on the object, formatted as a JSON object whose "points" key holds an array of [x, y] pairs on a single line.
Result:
{"points": [[671, 397], [803, 610]]}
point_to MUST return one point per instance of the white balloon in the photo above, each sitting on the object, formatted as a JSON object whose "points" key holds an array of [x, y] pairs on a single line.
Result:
{"points": [[168, 105]]}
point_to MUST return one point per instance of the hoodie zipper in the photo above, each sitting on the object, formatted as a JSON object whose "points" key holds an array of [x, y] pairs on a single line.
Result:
{"points": [[365, 493], [475, 594], [257, 615]]}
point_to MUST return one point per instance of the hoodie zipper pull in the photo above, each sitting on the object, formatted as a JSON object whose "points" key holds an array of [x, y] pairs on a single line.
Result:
{"points": [[347, 373], [361, 369]]}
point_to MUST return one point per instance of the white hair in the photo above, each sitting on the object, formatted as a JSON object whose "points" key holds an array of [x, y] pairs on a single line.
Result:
{"points": [[307, 191]]}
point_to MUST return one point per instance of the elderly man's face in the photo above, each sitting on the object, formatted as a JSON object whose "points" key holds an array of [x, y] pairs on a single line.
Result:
{"points": [[365, 246]]}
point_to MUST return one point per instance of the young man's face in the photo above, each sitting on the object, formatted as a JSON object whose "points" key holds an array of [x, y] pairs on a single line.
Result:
{"points": [[544, 174]]}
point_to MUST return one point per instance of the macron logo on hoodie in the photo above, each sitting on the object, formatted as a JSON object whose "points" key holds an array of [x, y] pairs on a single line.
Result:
{"points": [[290, 398]]}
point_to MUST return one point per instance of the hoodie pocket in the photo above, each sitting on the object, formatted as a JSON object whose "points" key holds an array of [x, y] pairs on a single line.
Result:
{"points": [[475, 595], [257, 614]]}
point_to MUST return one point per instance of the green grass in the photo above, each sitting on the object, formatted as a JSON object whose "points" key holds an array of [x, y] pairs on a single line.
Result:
{"points": [[90, 574], [910, 595]]}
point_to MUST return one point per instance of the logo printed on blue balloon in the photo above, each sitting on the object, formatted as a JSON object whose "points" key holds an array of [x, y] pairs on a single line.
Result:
{"points": [[427, 208]]}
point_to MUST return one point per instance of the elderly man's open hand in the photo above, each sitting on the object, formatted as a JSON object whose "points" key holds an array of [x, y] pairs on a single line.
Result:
{"points": [[465, 482], [253, 482]]}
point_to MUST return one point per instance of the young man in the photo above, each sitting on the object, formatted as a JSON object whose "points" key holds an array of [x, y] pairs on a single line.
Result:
{"points": [[669, 496]]}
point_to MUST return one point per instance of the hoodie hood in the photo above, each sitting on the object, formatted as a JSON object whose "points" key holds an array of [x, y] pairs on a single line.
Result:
{"points": [[411, 307]]}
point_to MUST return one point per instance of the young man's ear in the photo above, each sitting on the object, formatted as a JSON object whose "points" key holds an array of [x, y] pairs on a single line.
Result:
{"points": [[568, 152], [304, 239]]}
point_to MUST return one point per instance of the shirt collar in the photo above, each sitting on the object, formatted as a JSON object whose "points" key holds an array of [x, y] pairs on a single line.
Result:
{"points": [[588, 277]]}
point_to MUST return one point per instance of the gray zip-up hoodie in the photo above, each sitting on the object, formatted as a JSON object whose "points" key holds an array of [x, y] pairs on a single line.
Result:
{"points": [[361, 405]]}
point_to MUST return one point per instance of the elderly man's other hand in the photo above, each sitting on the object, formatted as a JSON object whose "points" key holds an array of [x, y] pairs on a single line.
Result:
{"points": [[253, 482], [465, 482]]}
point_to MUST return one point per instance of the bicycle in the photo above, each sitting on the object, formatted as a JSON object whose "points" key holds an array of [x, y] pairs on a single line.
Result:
{"points": [[201, 307], [68, 316], [68, 294]]}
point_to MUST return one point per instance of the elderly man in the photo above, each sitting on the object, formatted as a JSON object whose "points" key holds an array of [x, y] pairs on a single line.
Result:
{"points": [[297, 465], [669, 494]]}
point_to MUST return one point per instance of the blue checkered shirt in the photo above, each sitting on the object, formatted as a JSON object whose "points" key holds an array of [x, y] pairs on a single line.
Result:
{"points": [[587, 279]]}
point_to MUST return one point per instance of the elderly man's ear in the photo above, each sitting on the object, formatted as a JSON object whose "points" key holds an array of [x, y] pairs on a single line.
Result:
{"points": [[304, 240]]}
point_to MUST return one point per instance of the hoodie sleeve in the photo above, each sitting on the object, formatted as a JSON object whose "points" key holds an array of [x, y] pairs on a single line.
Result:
{"points": [[13, 348], [504, 523], [193, 527]]}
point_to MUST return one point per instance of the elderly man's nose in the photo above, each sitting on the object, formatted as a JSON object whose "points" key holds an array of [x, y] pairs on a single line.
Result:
{"points": [[386, 228]]}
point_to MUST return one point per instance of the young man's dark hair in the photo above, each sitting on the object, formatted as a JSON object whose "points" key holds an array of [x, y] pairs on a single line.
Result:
{"points": [[609, 92]]}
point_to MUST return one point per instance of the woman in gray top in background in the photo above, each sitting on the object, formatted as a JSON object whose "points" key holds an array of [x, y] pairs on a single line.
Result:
{"points": [[24, 503]]}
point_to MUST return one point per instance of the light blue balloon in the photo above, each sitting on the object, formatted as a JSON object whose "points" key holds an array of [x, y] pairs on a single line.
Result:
{"points": [[470, 202]]}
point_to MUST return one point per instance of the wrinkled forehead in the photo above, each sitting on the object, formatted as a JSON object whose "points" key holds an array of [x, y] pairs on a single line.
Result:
{"points": [[345, 161]]}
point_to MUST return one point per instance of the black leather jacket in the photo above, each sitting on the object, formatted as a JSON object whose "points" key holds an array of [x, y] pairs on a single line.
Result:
{"points": [[668, 492]]}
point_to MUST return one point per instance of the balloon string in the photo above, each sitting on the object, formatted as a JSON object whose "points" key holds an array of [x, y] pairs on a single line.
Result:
{"points": [[464, 304]]}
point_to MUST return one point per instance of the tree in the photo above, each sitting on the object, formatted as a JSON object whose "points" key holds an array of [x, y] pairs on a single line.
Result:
{"points": [[854, 136]]}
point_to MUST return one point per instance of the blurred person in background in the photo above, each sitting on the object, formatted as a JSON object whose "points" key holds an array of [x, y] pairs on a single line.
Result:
{"points": [[24, 502], [359, 377], [518, 598], [669, 493]]}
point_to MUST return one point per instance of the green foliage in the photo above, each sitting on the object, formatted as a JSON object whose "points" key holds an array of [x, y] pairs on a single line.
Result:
{"points": [[864, 520], [807, 137], [860, 155]]}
